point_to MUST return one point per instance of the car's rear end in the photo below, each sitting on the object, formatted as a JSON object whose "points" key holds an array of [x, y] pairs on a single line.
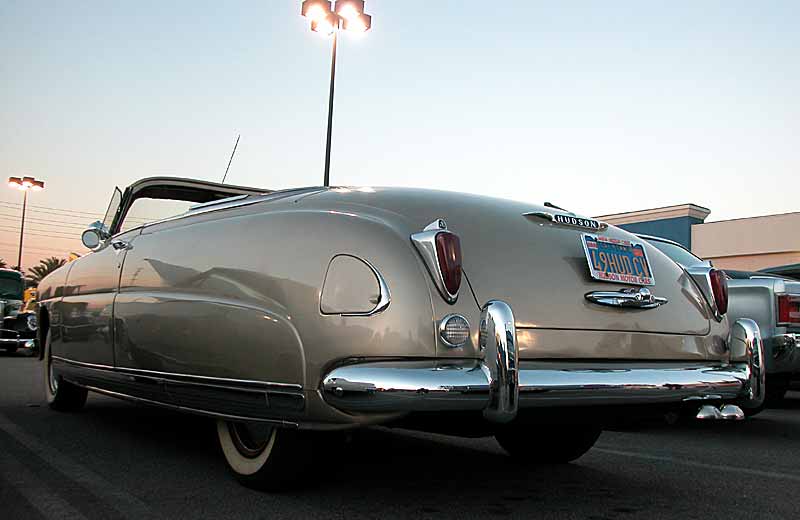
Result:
{"points": [[537, 308]]}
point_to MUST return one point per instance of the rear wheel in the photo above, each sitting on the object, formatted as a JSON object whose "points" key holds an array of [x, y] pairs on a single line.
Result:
{"points": [[263, 456], [548, 444], [61, 395]]}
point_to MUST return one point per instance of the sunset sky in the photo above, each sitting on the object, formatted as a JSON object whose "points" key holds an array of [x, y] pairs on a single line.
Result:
{"points": [[600, 107]]}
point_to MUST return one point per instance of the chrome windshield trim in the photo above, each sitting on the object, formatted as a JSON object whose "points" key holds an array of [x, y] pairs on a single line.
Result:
{"points": [[425, 243], [226, 200], [630, 297], [179, 377]]}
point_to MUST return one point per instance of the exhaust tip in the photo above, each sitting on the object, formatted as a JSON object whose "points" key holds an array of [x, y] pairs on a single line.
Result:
{"points": [[731, 412], [708, 412]]}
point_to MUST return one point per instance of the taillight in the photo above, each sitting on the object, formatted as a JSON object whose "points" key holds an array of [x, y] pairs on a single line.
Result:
{"points": [[448, 253], [789, 309], [719, 287]]}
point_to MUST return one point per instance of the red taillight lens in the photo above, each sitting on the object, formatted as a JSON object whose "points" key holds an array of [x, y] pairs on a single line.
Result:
{"points": [[719, 286], [448, 252], [789, 309]]}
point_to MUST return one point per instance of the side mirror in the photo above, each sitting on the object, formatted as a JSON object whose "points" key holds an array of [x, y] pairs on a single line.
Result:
{"points": [[95, 235]]}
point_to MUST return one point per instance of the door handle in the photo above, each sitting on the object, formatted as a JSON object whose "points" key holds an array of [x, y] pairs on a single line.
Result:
{"points": [[632, 298], [121, 245]]}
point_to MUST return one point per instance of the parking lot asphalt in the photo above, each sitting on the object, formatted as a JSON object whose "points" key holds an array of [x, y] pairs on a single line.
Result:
{"points": [[119, 460]]}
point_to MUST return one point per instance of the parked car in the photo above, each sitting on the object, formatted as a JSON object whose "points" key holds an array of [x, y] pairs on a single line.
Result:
{"points": [[288, 313], [19, 324], [772, 301]]}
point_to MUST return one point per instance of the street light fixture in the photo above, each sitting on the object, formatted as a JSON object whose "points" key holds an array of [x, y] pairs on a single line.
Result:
{"points": [[25, 184], [328, 18]]}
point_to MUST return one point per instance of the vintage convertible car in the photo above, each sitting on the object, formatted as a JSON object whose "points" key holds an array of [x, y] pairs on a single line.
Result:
{"points": [[18, 328], [289, 313]]}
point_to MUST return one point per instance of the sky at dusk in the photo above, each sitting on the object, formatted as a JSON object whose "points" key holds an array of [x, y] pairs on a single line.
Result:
{"points": [[600, 107]]}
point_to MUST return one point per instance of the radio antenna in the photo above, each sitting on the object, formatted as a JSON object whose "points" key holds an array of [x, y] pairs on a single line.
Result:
{"points": [[231, 159]]}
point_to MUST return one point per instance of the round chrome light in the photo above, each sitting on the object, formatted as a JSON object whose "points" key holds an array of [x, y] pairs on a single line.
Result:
{"points": [[32, 323], [454, 330]]}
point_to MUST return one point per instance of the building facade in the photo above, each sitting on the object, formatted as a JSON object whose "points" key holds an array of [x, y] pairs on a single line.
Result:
{"points": [[746, 244]]}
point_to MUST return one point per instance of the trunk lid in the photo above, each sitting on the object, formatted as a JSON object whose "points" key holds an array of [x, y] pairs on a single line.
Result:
{"points": [[540, 268]]}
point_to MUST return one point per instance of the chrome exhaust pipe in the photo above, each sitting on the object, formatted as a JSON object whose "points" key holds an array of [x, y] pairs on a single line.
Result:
{"points": [[727, 412]]}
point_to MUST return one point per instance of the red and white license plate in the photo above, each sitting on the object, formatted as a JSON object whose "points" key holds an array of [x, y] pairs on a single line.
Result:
{"points": [[615, 260]]}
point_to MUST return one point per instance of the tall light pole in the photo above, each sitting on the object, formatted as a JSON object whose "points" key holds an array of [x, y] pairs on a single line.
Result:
{"points": [[328, 18], [25, 184]]}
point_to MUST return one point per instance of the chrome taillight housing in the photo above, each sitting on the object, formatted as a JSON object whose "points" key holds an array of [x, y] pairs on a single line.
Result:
{"points": [[713, 283], [440, 249]]}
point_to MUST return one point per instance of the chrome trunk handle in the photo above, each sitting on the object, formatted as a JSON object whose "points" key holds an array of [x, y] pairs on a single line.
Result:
{"points": [[629, 297]]}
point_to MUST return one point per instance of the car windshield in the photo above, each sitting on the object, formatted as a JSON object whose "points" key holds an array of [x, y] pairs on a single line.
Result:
{"points": [[678, 254], [11, 288]]}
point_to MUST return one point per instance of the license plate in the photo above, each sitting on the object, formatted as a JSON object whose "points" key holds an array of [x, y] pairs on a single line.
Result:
{"points": [[620, 261]]}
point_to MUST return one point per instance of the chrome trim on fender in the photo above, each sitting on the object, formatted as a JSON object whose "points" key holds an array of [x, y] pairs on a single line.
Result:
{"points": [[425, 242], [498, 342], [179, 377], [636, 298], [178, 408], [745, 345], [384, 299], [701, 274]]}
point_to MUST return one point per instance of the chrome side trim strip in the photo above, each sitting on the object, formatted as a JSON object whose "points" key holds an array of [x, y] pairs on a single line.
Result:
{"points": [[177, 408], [498, 342], [745, 345], [180, 377]]}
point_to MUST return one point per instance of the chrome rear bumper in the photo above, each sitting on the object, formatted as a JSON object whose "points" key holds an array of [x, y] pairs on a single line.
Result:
{"points": [[500, 384]]}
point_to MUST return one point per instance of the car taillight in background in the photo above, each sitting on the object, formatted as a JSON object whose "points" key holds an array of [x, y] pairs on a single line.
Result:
{"points": [[789, 309], [719, 287], [448, 254]]}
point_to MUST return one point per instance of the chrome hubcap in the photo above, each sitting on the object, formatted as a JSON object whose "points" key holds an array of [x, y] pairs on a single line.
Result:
{"points": [[250, 439]]}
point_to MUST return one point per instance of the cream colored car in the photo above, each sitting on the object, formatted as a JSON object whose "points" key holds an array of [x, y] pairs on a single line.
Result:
{"points": [[287, 314]]}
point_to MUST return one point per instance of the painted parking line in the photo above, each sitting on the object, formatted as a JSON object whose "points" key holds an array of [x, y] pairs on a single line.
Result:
{"points": [[691, 463], [40, 496], [126, 504]]}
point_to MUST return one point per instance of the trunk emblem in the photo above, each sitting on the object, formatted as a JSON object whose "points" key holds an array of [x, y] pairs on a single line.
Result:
{"points": [[569, 220]]}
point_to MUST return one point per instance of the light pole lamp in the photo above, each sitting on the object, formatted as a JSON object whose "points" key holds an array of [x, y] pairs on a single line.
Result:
{"points": [[328, 18], [25, 184]]}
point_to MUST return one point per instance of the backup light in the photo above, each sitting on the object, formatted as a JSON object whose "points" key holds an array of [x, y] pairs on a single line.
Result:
{"points": [[454, 330]]}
